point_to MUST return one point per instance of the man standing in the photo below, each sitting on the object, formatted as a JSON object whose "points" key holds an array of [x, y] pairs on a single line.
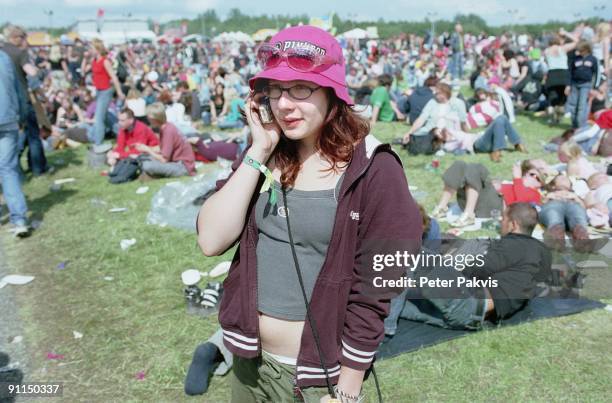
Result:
{"points": [[10, 114], [16, 46], [457, 47]]}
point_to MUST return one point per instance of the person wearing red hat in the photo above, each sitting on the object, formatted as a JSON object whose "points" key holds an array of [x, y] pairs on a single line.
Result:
{"points": [[302, 309]]}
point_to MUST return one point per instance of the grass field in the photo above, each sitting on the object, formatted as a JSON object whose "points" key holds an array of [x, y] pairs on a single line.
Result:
{"points": [[137, 322]]}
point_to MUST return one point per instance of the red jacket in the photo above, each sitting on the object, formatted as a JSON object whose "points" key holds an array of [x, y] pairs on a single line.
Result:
{"points": [[517, 192], [375, 215], [140, 134]]}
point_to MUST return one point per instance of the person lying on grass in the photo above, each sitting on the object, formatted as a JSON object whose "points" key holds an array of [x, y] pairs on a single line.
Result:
{"points": [[495, 290], [562, 210], [478, 196]]}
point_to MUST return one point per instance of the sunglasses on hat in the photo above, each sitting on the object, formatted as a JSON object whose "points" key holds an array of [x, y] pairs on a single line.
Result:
{"points": [[300, 59]]}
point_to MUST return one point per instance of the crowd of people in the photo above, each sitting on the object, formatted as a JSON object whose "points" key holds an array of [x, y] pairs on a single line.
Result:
{"points": [[166, 106]]}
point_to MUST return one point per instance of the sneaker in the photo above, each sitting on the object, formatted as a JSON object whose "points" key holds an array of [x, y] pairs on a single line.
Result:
{"points": [[520, 148], [465, 220], [495, 156], [145, 177], [439, 212], [21, 230], [211, 295], [203, 302]]}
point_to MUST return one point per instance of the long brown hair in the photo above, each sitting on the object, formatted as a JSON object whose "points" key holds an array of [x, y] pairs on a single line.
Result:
{"points": [[342, 130]]}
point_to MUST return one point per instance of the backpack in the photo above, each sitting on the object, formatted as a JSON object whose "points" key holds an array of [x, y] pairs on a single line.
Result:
{"points": [[126, 170], [122, 72]]}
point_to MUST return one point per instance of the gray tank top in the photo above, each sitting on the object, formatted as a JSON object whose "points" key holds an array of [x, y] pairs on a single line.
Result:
{"points": [[312, 215]]}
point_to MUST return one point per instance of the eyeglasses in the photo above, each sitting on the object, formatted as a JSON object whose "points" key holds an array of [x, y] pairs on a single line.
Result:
{"points": [[299, 59], [299, 91]]}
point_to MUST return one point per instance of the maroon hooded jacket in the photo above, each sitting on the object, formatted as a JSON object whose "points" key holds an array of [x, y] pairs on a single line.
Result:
{"points": [[375, 214]]}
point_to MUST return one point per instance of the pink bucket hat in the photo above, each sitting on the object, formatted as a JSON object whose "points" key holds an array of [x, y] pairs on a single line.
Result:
{"points": [[328, 75]]}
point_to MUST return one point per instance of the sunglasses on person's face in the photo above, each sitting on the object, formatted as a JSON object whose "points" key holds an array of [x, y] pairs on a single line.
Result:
{"points": [[299, 91], [534, 175], [299, 59]]}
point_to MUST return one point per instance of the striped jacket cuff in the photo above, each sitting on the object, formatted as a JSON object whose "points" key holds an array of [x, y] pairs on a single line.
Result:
{"points": [[356, 358]]}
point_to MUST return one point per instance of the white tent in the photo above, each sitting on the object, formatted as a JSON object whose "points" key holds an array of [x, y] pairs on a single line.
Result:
{"points": [[356, 33], [114, 31], [233, 37], [262, 34], [193, 38]]}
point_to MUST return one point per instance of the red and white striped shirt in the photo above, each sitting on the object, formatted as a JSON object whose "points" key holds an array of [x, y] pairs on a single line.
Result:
{"points": [[483, 113]]}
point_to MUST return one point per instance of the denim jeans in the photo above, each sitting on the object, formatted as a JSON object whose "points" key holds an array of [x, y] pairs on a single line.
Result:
{"points": [[103, 100], [164, 169], [206, 118], [395, 309], [457, 65], [578, 103], [10, 176], [37, 162], [494, 138], [560, 212], [224, 124]]}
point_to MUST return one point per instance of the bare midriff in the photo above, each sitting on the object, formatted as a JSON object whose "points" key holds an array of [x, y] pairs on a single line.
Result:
{"points": [[280, 336]]}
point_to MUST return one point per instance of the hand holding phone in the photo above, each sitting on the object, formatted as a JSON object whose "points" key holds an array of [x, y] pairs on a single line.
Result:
{"points": [[265, 131], [265, 111]]}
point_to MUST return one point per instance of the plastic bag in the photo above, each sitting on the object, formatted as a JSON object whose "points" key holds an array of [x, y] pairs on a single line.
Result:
{"points": [[177, 204]]}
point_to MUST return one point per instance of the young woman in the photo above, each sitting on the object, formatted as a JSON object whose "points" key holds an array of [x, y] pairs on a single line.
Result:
{"points": [[104, 79], [347, 197], [557, 77]]}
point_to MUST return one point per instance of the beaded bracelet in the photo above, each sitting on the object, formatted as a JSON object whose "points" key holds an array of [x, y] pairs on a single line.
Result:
{"points": [[346, 398], [268, 182]]}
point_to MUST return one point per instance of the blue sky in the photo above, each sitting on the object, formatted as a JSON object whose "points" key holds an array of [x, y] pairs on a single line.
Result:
{"points": [[495, 12]]}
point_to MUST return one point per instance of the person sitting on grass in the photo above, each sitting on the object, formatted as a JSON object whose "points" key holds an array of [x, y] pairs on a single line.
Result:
{"points": [[384, 109], [492, 140], [174, 157], [477, 195], [131, 133], [441, 112], [517, 262], [230, 117]]}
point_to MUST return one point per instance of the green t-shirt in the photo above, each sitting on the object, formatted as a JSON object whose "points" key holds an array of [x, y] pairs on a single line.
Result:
{"points": [[380, 98]]}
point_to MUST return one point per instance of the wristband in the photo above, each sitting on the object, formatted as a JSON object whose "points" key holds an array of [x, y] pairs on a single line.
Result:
{"points": [[346, 398], [268, 182]]}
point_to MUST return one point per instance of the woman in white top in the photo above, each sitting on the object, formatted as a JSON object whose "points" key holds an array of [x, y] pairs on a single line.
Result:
{"points": [[557, 77], [601, 49]]}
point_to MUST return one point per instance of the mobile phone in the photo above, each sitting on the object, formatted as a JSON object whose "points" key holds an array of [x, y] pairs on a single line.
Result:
{"points": [[265, 111]]}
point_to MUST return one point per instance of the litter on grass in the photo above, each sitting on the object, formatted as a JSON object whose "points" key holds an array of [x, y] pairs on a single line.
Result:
{"points": [[54, 356], [15, 279], [177, 203], [127, 243], [61, 266], [77, 335], [117, 210], [15, 339], [220, 269], [142, 190], [62, 181]]}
